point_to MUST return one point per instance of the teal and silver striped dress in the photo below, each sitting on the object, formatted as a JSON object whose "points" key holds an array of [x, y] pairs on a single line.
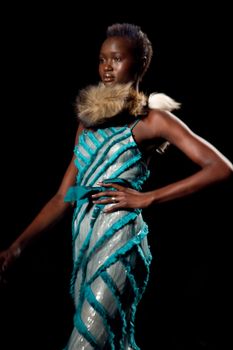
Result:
{"points": [[110, 250]]}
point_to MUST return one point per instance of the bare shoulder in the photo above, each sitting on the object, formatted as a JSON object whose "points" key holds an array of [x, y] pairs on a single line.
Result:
{"points": [[169, 123], [157, 122], [156, 117], [80, 128], [160, 125], [162, 117]]}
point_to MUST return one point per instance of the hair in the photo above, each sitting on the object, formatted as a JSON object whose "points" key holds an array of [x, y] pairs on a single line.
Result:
{"points": [[141, 43]]}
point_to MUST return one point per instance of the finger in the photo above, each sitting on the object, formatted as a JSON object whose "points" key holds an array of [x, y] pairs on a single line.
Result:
{"points": [[118, 187], [104, 194], [113, 208], [105, 200]]}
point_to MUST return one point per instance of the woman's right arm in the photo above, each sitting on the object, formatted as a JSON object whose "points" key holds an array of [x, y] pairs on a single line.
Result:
{"points": [[49, 215]]}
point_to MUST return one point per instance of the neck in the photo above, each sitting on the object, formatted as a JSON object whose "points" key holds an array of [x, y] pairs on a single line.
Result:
{"points": [[135, 85]]}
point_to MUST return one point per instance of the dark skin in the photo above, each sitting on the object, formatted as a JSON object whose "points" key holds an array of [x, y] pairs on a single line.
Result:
{"points": [[118, 65]]}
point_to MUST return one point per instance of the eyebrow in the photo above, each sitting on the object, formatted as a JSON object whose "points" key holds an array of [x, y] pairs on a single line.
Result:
{"points": [[112, 53]]}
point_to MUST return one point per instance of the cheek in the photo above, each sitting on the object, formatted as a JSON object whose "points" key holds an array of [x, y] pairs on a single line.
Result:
{"points": [[127, 72], [128, 75], [99, 69]]}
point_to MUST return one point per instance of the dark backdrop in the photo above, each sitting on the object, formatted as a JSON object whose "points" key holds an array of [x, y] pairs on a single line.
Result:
{"points": [[47, 56]]}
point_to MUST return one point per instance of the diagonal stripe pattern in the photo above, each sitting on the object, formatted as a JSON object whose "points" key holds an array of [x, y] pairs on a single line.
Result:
{"points": [[109, 250]]}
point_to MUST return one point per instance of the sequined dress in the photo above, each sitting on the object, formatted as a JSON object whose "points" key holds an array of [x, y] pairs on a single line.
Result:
{"points": [[110, 250]]}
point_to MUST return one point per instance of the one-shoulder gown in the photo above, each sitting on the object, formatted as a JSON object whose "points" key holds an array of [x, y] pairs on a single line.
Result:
{"points": [[110, 250]]}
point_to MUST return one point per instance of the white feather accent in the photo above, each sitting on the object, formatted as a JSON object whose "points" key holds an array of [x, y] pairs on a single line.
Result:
{"points": [[162, 101]]}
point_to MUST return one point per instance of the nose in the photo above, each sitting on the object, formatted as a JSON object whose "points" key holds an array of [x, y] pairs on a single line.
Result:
{"points": [[108, 67]]}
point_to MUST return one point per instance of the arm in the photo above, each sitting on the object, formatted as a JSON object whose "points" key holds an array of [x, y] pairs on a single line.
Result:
{"points": [[214, 166], [49, 215]]}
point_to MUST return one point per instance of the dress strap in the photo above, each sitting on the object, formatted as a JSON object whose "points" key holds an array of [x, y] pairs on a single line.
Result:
{"points": [[134, 123]]}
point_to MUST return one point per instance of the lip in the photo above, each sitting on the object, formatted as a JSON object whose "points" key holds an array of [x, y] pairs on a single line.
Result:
{"points": [[108, 79], [108, 76]]}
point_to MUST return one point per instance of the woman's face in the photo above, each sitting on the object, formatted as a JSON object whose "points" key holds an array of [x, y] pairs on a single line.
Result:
{"points": [[116, 61]]}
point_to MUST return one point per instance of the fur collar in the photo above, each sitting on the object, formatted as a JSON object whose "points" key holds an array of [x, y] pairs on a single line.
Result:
{"points": [[96, 104]]}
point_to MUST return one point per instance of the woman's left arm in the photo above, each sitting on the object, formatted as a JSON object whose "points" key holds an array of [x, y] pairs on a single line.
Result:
{"points": [[214, 166]]}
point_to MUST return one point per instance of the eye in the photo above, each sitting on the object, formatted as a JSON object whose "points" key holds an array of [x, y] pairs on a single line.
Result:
{"points": [[117, 59], [101, 60]]}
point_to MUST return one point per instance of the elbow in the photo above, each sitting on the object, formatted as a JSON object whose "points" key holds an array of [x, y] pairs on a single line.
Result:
{"points": [[229, 172], [225, 170], [58, 200]]}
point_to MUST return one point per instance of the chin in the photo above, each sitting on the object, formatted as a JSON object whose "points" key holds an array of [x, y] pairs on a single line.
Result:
{"points": [[109, 83]]}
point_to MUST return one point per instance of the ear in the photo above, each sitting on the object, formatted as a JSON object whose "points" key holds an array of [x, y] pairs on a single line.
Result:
{"points": [[144, 60]]}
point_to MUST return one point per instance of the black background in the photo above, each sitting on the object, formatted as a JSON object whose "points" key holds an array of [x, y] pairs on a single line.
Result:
{"points": [[47, 55]]}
